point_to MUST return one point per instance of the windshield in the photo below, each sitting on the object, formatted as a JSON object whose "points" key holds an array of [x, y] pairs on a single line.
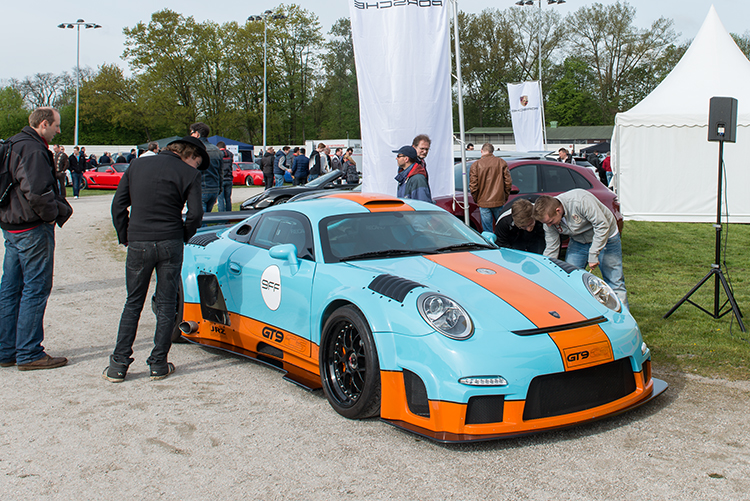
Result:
{"points": [[325, 178], [380, 235]]}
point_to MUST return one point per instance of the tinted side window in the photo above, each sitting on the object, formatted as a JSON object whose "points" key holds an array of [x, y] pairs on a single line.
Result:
{"points": [[284, 228], [557, 179], [581, 182], [525, 178]]}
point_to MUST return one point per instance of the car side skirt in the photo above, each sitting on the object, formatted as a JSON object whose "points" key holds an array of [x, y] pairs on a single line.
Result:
{"points": [[292, 354], [446, 421]]}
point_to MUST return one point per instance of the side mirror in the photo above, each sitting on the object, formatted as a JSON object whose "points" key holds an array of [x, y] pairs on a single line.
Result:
{"points": [[110, 171], [490, 237], [286, 252], [514, 190]]}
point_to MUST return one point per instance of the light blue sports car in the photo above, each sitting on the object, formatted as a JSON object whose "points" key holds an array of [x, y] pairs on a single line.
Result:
{"points": [[398, 310]]}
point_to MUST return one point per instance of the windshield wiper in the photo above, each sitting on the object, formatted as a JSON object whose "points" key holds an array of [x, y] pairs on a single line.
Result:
{"points": [[386, 253], [465, 246]]}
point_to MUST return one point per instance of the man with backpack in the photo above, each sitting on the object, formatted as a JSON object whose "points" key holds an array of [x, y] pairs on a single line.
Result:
{"points": [[28, 214]]}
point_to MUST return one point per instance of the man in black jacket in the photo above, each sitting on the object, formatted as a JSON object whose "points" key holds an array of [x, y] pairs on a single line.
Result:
{"points": [[227, 166], [517, 229], [156, 189], [266, 163], [28, 223]]}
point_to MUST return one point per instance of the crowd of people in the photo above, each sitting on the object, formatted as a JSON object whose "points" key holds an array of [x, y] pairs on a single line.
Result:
{"points": [[147, 213]]}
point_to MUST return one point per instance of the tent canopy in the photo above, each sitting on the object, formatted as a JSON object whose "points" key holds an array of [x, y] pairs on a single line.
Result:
{"points": [[240, 145], [602, 147], [162, 142], [665, 168]]}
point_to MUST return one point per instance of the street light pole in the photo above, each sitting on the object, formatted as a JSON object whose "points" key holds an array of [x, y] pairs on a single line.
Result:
{"points": [[264, 18], [78, 25], [539, 27]]}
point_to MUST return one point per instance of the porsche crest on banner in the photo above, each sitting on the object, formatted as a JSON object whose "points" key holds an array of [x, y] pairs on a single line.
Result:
{"points": [[527, 114], [403, 58]]}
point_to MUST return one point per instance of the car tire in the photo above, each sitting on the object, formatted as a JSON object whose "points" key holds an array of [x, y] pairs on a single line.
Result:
{"points": [[249, 181], [349, 368], [84, 183]]}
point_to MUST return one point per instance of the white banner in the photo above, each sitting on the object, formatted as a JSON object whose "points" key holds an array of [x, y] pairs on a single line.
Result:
{"points": [[402, 52], [526, 113]]}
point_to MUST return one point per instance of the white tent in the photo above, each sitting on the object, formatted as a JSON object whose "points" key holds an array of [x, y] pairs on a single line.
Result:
{"points": [[665, 167]]}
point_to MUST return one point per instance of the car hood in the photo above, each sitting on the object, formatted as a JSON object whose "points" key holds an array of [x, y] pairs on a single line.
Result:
{"points": [[517, 290]]}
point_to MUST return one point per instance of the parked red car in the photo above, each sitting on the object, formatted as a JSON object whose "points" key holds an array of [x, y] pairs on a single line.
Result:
{"points": [[105, 177], [247, 173], [531, 178]]}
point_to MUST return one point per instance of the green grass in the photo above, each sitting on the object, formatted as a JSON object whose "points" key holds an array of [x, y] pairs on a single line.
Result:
{"points": [[87, 193], [662, 262]]}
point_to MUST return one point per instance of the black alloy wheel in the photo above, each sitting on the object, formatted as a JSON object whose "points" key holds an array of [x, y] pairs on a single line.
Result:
{"points": [[349, 368]]}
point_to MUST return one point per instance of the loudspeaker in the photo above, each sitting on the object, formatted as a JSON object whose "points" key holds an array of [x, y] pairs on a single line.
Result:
{"points": [[722, 119]]}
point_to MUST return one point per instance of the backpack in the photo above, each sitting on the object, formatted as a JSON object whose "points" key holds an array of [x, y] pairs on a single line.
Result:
{"points": [[6, 178], [352, 177]]}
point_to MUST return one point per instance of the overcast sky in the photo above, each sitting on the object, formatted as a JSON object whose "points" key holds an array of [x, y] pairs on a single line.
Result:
{"points": [[33, 43]]}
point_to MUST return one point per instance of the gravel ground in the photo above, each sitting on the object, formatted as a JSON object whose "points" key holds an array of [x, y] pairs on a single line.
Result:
{"points": [[225, 427]]}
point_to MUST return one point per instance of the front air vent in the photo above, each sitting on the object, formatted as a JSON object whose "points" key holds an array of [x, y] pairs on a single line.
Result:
{"points": [[416, 394], [393, 287], [485, 409], [564, 266]]}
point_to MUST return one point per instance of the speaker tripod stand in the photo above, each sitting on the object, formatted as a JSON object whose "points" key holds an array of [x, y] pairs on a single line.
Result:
{"points": [[715, 270]]}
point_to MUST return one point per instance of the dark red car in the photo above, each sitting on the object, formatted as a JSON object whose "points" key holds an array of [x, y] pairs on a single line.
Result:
{"points": [[105, 177], [247, 173], [531, 178]]}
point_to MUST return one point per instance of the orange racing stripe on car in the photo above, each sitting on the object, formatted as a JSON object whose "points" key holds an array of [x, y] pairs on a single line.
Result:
{"points": [[579, 348], [374, 202]]}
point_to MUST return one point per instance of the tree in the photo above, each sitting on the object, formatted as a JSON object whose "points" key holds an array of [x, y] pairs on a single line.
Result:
{"points": [[530, 29], [165, 53], [44, 89], [743, 42], [13, 114], [336, 105], [605, 38], [572, 96]]}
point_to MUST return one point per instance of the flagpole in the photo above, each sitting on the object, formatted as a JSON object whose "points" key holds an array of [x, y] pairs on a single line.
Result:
{"points": [[464, 177]]}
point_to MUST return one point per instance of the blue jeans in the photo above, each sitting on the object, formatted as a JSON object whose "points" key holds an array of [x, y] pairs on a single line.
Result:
{"points": [[25, 288], [610, 263], [489, 216], [143, 257], [225, 197], [278, 180], [208, 200], [77, 179]]}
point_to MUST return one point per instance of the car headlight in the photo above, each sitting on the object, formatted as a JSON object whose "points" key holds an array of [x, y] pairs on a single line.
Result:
{"points": [[445, 315], [601, 291]]}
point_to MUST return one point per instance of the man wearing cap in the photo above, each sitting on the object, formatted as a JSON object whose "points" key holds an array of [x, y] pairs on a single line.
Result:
{"points": [[412, 176], [156, 189]]}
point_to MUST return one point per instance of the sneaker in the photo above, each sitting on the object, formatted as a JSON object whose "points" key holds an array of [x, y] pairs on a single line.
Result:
{"points": [[158, 373], [114, 374], [45, 362], [76, 197], [8, 363]]}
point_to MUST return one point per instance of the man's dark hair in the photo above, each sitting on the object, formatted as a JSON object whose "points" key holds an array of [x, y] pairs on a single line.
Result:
{"points": [[153, 146], [296, 149], [39, 115], [201, 128], [285, 148], [339, 149], [302, 151], [420, 138], [221, 144], [184, 150]]}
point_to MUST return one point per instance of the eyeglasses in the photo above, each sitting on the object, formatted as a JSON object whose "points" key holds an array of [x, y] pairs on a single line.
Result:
{"points": [[400, 156]]}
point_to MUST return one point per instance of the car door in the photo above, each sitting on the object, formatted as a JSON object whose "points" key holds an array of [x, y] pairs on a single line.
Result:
{"points": [[558, 179], [275, 291]]}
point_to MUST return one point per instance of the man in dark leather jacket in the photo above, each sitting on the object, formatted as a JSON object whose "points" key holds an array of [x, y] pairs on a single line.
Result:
{"points": [[28, 222]]}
